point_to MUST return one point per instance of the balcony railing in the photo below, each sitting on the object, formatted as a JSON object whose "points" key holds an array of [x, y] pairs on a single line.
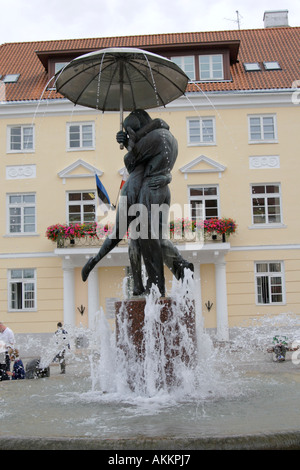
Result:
{"points": [[181, 231]]}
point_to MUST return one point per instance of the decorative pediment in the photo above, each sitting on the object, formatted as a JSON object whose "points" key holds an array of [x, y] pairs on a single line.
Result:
{"points": [[80, 169], [202, 164]]}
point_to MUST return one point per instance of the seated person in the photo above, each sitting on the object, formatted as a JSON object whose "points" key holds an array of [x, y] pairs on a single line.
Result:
{"points": [[18, 368]]}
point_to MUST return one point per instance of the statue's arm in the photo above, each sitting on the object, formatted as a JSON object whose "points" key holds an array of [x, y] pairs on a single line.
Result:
{"points": [[158, 181]]}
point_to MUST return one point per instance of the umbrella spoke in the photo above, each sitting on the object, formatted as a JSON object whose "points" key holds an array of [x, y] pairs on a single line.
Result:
{"points": [[137, 68], [109, 85], [96, 75], [131, 87], [159, 73]]}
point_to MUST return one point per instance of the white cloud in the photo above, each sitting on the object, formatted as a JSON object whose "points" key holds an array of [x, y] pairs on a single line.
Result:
{"points": [[64, 19]]}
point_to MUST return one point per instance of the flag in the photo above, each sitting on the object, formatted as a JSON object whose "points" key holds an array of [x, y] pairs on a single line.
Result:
{"points": [[104, 201], [124, 178]]}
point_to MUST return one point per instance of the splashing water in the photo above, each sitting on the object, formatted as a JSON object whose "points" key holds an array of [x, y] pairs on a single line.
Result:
{"points": [[225, 391], [124, 373]]}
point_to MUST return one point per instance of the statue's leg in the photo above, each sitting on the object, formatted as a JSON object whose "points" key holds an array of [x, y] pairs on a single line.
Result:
{"points": [[107, 246], [151, 245], [135, 257], [173, 259], [153, 259], [110, 242]]}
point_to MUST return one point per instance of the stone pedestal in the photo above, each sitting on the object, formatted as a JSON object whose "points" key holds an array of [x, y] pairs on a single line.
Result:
{"points": [[174, 331]]}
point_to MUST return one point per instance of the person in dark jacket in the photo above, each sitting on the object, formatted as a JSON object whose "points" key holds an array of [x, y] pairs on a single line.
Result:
{"points": [[18, 371], [62, 342]]}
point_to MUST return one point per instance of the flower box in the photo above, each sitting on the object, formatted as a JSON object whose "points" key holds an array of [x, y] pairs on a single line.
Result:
{"points": [[180, 230]]}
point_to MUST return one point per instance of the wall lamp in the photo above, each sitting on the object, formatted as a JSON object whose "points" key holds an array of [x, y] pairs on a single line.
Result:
{"points": [[81, 309], [208, 305]]}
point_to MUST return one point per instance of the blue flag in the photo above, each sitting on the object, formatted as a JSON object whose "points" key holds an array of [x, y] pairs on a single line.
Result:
{"points": [[104, 200]]}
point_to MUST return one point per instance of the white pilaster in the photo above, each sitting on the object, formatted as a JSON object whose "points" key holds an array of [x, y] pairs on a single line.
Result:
{"points": [[69, 295], [221, 301], [198, 294], [93, 297]]}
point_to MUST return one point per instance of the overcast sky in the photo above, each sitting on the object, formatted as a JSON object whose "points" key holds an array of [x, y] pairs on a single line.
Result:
{"points": [[42, 20]]}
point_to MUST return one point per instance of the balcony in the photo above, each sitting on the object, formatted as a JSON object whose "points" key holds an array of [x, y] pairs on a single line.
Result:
{"points": [[183, 231]]}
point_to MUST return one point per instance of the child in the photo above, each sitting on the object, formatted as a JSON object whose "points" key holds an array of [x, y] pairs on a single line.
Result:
{"points": [[18, 369]]}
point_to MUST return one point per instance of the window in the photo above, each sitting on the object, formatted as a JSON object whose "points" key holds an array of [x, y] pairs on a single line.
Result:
{"points": [[187, 64], [11, 78], [252, 66], [211, 67], [20, 138], [269, 278], [266, 204], [81, 207], [80, 136], [59, 66], [272, 65], [204, 202], [201, 131], [22, 289], [21, 213], [262, 128]]}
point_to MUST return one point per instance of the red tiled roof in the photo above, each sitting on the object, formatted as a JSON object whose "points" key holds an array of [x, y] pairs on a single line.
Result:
{"points": [[256, 45]]}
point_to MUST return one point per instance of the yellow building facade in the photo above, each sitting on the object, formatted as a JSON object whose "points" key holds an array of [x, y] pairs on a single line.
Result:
{"points": [[245, 169]]}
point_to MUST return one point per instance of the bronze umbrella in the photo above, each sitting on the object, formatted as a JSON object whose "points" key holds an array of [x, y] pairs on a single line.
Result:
{"points": [[121, 79]]}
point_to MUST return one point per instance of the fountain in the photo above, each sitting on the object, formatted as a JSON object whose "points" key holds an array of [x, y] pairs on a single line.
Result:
{"points": [[158, 381], [231, 397]]}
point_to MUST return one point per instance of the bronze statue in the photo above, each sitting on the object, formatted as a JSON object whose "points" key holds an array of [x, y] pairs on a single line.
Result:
{"points": [[152, 152]]}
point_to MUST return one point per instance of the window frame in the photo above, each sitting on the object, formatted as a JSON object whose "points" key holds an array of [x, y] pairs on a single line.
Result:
{"points": [[180, 59], [23, 281], [81, 203], [252, 67], [201, 120], [271, 65], [81, 147], [204, 198], [269, 274], [262, 140], [208, 51], [59, 65], [267, 206], [22, 206], [211, 77], [22, 149], [11, 78]]}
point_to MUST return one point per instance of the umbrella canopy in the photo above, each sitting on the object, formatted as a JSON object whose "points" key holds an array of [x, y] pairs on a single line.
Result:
{"points": [[118, 79]]}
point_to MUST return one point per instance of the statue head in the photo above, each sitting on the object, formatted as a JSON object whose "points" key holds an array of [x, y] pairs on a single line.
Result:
{"points": [[137, 119]]}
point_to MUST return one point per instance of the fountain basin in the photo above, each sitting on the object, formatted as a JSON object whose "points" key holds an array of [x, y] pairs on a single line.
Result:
{"points": [[62, 412]]}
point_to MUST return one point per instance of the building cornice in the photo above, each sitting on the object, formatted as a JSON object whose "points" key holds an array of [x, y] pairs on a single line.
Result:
{"points": [[191, 101]]}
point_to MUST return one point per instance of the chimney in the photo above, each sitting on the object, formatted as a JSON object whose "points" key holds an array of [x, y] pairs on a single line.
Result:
{"points": [[276, 18]]}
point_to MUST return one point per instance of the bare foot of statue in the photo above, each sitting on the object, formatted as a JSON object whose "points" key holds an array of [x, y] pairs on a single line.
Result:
{"points": [[87, 268]]}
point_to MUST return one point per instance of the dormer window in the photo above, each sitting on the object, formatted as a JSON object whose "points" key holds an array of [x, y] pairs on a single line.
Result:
{"points": [[211, 67], [208, 64], [59, 66], [187, 64], [207, 67]]}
